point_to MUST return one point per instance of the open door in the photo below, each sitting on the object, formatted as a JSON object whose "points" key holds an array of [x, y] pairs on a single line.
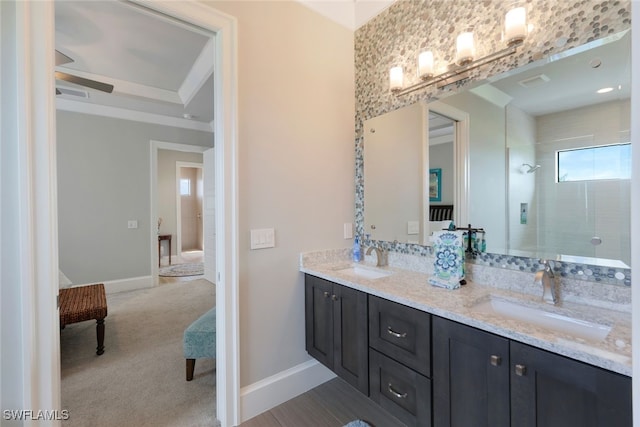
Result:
{"points": [[208, 214]]}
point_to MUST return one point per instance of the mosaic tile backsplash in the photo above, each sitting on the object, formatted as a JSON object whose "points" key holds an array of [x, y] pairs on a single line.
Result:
{"points": [[400, 33]]}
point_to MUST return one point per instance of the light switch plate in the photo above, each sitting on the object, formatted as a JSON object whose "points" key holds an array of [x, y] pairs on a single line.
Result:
{"points": [[132, 223], [263, 238]]}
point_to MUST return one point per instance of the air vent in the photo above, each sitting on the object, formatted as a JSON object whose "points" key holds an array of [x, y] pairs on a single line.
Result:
{"points": [[73, 92], [534, 81]]}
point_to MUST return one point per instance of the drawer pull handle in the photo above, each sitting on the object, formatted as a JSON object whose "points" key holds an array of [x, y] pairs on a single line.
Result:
{"points": [[495, 360], [521, 370], [395, 393], [396, 334]]}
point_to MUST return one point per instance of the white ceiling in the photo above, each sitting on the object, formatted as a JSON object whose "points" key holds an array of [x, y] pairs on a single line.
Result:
{"points": [[351, 14], [161, 68]]}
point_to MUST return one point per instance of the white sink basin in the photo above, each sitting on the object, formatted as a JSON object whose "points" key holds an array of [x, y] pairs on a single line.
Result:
{"points": [[546, 319], [364, 272]]}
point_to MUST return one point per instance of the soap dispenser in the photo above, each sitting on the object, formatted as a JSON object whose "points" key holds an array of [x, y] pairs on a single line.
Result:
{"points": [[357, 253]]}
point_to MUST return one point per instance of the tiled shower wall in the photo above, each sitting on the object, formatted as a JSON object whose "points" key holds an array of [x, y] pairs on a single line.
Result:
{"points": [[400, 33]]}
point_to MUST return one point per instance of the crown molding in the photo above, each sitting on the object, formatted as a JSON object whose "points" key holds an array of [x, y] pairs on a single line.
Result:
{"points": [[132, 115]]}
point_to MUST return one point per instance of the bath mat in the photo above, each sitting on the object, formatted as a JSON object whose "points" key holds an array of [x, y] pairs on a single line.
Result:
{"points": [[181, 270]]}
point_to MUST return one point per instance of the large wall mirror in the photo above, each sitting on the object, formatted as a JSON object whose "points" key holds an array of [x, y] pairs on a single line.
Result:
{"points": [[539, 157]]}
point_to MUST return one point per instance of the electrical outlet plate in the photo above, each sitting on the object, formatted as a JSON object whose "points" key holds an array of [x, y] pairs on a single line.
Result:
{"points": [[348, 230], [132, 223]]}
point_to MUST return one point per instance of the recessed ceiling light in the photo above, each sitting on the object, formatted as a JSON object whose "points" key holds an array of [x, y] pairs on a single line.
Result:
{"points": [[604, 90]]}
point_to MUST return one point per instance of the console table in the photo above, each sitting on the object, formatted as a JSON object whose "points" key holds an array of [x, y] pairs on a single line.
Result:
{"points": [[162, 237]]}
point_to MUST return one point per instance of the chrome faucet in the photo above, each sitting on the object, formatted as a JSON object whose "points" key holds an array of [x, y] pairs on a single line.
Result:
{"points": [[382, 255], [546, 279]]}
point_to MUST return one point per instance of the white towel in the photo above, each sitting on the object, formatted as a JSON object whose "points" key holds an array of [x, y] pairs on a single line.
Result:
{"points": [[448, 252]]}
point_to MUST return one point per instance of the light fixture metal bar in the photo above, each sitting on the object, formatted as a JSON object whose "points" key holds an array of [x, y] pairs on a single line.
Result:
{"points": [[450, 76]]}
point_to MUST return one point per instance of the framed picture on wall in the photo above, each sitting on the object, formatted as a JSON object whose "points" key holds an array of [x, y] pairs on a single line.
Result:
{"points": [[435, 185]]}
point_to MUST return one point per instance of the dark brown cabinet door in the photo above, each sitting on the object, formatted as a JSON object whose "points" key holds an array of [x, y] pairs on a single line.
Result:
{"points": [[470, 376], [336, 329], [319, 320], [548, 390], [350, 345]]}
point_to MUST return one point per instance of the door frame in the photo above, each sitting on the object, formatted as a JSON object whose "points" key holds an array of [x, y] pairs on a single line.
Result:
{"points": [[461, 168], [153, 176], [180, 165], [35, 380], [226, 171], [225, 126]]}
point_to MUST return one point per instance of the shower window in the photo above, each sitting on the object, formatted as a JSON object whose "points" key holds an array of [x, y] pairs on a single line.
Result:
{"points": [[594, 163]]}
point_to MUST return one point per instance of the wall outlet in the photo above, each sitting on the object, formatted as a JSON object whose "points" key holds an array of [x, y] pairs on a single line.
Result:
{"points": [[348, 230], [413, 227], [132, 223]]}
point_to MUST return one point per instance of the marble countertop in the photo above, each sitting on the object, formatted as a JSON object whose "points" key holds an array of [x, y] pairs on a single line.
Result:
{"points": [[411, 288]]}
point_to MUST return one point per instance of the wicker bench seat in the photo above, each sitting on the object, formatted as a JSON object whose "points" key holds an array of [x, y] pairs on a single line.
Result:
{"points": [[81, 303]]}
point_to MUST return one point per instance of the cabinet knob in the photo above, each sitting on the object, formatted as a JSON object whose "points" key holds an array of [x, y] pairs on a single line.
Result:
{"points": [[395, 393], [326, 294], [396, 334], [334, 297], [495, 360], [521, 370]]}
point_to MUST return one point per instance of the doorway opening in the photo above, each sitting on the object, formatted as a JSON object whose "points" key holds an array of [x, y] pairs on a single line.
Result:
{"points": [[189, 201]]}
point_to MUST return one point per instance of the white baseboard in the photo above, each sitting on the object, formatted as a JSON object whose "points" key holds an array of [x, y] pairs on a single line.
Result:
{"points": [[124, 285], [271, 392]]}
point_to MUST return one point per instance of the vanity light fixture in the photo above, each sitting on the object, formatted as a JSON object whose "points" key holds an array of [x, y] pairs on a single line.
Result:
{"points": [[515, 25], [425, 65], [515, 31], [465, 48], [395, 79]]}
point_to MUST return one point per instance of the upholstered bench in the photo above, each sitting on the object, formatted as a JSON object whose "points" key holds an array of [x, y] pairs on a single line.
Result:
{"points": [[81, 303], [200, 340]]}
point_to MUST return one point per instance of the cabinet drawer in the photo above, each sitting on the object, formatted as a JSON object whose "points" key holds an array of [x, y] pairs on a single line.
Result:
{"points": [[402, 391], [402, 333]]}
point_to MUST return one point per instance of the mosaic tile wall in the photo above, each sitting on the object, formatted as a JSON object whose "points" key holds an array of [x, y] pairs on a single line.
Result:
{"points": [[400, 33]]}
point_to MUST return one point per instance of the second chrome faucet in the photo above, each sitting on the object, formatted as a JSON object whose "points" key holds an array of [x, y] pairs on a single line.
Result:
{"points": [[547, 280]]}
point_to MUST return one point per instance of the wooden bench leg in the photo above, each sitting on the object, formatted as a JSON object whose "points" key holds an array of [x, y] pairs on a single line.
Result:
{"points": [[100, 334], [191, 364]]}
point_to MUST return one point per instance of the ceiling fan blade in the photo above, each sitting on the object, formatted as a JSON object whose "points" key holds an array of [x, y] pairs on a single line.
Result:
{"points": [[61, 58], [104, 87]]}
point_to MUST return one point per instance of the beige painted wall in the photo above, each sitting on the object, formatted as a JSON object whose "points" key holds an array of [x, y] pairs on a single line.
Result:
{"points": [[296, 157]]}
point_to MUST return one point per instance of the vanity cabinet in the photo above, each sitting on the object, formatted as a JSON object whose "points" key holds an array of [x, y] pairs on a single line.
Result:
{"points": [[481, 379], [400, 360], [549, 390], [336, 329]]}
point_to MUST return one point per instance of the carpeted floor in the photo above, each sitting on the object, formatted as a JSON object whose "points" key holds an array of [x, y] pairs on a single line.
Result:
{"points": [[140, 378]]}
